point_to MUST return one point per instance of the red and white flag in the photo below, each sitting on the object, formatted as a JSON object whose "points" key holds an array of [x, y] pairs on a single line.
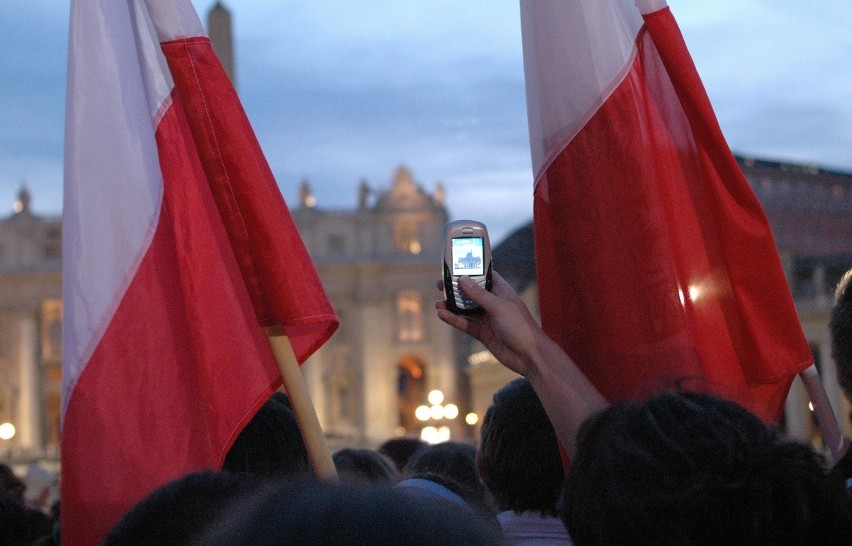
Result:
{"points": [[178, 249], [655, 260]]}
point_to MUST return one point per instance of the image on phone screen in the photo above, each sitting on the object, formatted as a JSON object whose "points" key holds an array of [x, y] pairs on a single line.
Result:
{"points": [[468, 256]]}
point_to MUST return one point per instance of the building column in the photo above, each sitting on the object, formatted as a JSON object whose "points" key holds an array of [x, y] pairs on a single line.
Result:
{"points": [[29, 402]]}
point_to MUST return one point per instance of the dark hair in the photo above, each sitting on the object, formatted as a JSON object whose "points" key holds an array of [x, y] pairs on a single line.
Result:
{"points": [[180, 510], [840, 325], [519, 458], [271, 444], [346, 513], [692, 469], [18, 524], [453, 465], [364, 465], [400, 450], [10, 482]]}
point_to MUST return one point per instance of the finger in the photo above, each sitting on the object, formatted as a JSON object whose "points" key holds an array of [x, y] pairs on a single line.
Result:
{"points": [[456, 321], [479, 295], [439, 285]]}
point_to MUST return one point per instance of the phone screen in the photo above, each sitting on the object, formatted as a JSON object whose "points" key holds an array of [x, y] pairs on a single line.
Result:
{"points": [[468, 256]]}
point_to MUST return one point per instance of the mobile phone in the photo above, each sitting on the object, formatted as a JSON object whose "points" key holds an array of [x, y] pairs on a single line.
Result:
{"points": [[467, 251]]}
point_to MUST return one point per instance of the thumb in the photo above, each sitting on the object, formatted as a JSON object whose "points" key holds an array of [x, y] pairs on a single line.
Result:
{"points": [[479, 295]]}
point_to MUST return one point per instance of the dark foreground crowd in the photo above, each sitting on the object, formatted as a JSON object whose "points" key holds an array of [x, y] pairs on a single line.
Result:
{"points": [[679, 468]]}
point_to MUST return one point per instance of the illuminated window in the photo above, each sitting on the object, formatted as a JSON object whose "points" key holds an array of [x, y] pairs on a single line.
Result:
{"points": [[405, 237], [51, 331], [409, 315]]}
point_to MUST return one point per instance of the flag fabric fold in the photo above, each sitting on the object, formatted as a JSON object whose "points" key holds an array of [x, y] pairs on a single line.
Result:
{"points": [[655, 261], [178, 250]]}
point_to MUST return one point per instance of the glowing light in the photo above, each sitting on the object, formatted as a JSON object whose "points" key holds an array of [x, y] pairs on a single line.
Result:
{"points": [[422, 413], [694, 292], [7, 431], [414, 247], [451, 411], [429, 435], [399, 431], [811, 406], [479, 358], [443, 434], [435, 397], [471, 418], [437, 411]]}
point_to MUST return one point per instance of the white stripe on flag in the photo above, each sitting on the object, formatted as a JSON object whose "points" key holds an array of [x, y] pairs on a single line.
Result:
{"points": [[569, 70], [113, 184]]}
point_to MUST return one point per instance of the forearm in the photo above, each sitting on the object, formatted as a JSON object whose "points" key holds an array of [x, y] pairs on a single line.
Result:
{"points": [[568, 397], [515, 338]]}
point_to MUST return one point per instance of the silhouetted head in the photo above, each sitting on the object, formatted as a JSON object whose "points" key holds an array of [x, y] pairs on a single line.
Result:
{"points": [[693, 469], [271, 444], [400, 450], [519, 459], [339, 513], [364, 465], [840, 325], [182, 509]]}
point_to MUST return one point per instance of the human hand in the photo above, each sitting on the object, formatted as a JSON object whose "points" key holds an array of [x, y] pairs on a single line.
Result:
{"points": [[506, 328]]}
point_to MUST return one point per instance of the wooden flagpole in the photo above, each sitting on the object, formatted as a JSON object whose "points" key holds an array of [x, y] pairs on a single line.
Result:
{"points": [[825, 416], [300, 401]]}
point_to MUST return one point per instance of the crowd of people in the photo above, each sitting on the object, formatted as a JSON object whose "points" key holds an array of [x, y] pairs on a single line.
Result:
{"points": [[678, 467]]}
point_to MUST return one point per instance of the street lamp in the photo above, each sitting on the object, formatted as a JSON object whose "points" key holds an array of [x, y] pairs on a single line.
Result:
{"points": [[436, 413], [7, 431]]}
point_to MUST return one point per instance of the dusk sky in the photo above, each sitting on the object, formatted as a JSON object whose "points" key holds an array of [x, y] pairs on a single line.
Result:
{"points": [[341, 91]]}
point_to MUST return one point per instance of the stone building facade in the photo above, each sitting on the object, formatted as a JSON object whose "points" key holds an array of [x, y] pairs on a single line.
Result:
{"points": [[379, 261], [30, 332]]}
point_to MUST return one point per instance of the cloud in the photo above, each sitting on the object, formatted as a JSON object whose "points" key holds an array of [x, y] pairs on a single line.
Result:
{"points": [[338, 91]]}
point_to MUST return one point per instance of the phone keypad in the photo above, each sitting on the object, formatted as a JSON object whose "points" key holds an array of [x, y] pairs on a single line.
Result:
{"points": [[462, 301]]}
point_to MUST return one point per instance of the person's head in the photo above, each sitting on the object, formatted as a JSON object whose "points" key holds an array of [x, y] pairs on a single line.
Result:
{"points": [[11, 483], [182, 509], [691, 469], [840, 325], [364, 465], [518, 458], [456, 460], [400, 450], [453, 465], [18, 524], [271, 444], [346, 513]]}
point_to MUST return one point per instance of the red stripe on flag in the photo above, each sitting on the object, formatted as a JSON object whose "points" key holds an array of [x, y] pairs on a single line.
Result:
{"points": [[655, 261], [277, 269], [181, 368], [183, 362]]}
